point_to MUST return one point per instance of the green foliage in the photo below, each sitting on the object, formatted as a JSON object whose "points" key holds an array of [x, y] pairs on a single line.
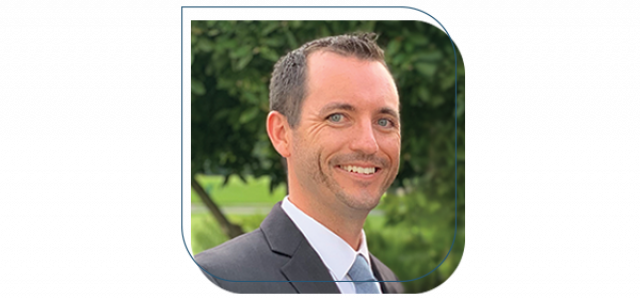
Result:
{"points": [[416, 237], [231, 66], [420, 241], [206, 233]]}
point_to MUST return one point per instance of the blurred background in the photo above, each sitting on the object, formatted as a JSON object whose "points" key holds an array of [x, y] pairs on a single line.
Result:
{"points": [[237, 176]]}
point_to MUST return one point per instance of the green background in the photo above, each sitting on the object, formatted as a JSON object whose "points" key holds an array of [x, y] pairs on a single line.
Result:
{"points": [[412, 229]]}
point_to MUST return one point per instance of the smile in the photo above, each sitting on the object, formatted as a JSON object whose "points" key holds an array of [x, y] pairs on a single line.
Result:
{"points": [[359, 170]]}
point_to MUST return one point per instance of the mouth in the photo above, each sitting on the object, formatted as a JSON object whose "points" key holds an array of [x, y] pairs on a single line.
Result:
{"points": [[362, 170]]}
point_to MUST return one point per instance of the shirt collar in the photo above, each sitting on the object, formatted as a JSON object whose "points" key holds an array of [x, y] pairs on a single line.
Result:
{"points": [[335, 253]]}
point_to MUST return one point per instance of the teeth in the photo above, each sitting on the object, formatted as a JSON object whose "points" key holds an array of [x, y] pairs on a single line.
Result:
{"points": [[360, 170]]}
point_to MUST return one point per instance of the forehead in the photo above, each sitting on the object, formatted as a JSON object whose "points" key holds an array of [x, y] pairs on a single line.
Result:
{"points": [[333, 77]]}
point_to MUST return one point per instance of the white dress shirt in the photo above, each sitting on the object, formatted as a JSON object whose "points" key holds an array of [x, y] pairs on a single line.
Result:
{"points": [[335, 253]]}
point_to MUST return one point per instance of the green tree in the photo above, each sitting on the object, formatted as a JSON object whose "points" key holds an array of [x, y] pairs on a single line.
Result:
{"points": [[231, 63]]}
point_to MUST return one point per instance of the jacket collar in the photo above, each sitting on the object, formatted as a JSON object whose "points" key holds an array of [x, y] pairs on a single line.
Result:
{"points": [[305, 265]]}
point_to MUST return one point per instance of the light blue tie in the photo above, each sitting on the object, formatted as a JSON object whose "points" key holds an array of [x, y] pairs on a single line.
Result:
{"points": [[362, 276]]}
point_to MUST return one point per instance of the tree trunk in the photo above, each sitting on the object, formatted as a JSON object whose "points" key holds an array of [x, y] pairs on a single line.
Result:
{"points": [[230, 229]]}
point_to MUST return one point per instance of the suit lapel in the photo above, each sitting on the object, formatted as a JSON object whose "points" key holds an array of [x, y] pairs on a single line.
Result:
{"points": [[305, 264], [382, 272]]}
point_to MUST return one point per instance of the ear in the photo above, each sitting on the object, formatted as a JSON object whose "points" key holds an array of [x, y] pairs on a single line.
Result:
{"points": [[279, 132]]}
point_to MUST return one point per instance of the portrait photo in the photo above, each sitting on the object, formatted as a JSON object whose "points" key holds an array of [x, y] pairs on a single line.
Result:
{"points": [[326, 156]]}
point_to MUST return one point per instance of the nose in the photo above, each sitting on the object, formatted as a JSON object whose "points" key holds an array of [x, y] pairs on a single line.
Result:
{"points": [[364, 139]]}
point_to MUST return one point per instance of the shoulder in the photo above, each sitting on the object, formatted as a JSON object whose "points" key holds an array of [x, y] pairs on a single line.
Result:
{"points": [[382, 269], [233, 253], [246, 257]]}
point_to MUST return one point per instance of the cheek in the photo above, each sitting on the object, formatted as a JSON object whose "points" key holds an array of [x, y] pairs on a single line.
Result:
{"points": [[331, 139], [391, 147]]}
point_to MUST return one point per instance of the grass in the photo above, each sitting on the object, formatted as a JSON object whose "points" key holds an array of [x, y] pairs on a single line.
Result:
{"points": [[206, 233], [236, 192]]}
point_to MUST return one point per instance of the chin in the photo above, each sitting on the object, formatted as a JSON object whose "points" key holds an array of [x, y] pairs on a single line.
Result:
{"points": [[360, 201]]}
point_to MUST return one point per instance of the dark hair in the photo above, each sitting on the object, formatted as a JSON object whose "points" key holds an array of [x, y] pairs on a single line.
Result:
{"points": [[288, 85]]}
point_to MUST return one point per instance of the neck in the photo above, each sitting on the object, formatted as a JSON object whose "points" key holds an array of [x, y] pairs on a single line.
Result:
{"points": [[347, 224]]}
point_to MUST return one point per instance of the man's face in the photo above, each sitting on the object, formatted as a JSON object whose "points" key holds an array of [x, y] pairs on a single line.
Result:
{"points": [[346, 146]]}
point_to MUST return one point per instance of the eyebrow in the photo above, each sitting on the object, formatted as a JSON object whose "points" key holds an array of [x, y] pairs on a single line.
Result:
{"points": [[347, 107], [337, 106], [390, 112]]}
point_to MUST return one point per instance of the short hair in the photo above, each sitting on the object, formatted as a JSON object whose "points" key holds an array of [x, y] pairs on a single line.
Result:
{"points": [[288, 86]]}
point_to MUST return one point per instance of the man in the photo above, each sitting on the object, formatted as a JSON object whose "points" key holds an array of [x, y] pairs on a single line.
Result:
{"points": [[335, 118]]}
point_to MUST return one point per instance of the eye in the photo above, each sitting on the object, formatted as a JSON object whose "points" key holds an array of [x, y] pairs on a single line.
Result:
{"points": [[335, 117], [384, 122]]}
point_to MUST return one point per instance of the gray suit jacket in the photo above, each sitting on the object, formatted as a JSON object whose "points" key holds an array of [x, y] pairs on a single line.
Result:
{"points": [[276, 252]]}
